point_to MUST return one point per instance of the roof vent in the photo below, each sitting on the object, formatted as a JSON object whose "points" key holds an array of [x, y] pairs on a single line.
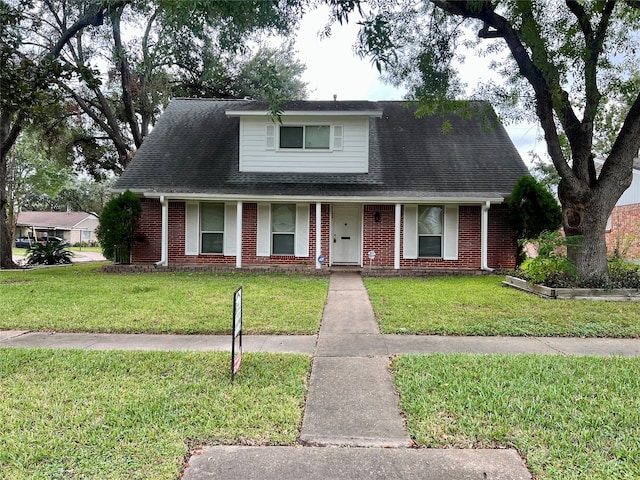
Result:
{"points": [[335, 97]]}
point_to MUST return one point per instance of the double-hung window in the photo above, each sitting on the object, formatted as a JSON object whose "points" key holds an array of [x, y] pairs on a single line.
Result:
{"points": [[283, 227], [430, 228], [212, 227], [307, 137]]}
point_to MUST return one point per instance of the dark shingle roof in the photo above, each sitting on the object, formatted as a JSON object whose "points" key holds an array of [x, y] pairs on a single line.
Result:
{"points": [[193, 148]]}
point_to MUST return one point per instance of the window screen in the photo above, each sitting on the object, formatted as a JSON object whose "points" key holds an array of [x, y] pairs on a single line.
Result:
{"points": [[430, 228], [283, 227], [317, 137], [211, 227]]}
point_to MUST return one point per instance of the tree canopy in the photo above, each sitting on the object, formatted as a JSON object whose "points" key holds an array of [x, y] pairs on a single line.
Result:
{"points": [[55, 52], [572, 64]]}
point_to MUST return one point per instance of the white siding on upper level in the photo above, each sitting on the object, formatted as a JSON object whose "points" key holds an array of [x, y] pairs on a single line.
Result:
{"points": [[631, 195], [348, 152]]}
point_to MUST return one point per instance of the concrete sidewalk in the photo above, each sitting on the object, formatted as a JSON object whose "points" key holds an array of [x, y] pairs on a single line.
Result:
{"points": [[333, 345]]}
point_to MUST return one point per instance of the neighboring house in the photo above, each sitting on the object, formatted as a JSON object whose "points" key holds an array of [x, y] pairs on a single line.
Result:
{"points": [[623, 227], [72, 227], [223, 182]]}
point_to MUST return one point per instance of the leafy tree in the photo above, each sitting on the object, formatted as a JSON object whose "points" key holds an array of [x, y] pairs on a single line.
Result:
{"points": [[183, 48], [117, 229], [54, 46], [568, 62], [27, 69], [533, 210], [84, 195]]}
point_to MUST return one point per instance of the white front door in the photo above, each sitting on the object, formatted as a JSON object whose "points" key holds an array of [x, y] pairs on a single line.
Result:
{"points": [[346, 231]]}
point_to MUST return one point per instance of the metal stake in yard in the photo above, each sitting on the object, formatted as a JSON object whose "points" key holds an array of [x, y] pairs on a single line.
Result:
{"points": [[236, 354]]}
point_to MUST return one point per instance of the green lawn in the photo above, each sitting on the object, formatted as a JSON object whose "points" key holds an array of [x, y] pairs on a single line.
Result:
{"points": [[135, 415], [570, 417], [81, 298], [480, 305]]}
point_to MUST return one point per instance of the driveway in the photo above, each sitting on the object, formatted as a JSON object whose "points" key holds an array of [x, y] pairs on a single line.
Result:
{"points": [[78, 257]]}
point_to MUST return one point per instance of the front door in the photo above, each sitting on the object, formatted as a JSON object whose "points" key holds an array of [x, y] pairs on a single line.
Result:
{"points": [[346, 231]]}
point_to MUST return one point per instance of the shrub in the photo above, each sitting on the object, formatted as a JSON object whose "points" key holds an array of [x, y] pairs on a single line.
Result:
{"points": [[48, 253], [551, 265], [118, 223], [532, 211]]}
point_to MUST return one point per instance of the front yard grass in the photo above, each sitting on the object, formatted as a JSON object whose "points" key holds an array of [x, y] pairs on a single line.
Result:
{"points": [[135, 415], [80, 298], [480, 305], [570, 417]]}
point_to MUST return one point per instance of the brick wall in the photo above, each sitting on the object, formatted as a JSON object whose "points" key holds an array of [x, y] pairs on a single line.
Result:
{"points": [[147, 249], [624, 235], [502, 239], [378, 236]]}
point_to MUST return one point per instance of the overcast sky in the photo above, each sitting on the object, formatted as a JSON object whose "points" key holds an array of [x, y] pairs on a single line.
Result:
{"points": [[334, 69]]}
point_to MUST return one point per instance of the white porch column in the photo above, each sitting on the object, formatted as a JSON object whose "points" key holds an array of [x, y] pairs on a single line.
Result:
{"points": [[484, 235], [396, 246], [239, 235], [164, 234], [318, 234]]}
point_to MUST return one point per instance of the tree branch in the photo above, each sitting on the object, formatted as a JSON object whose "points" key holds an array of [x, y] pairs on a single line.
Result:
{"points": [[545, 104], [94, 16], [125, 77]]}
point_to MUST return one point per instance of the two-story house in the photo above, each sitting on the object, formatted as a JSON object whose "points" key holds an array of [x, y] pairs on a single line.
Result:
{"points": [[224, 182]]}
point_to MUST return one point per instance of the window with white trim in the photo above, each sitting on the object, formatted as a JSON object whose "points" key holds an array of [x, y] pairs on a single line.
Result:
{"points": [[283, 228], [430, 230], [211, 227], [305, 137]]}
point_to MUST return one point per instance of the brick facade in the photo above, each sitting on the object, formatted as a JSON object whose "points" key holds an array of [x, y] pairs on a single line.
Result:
{"points": [[378, 236], [624, 236]]}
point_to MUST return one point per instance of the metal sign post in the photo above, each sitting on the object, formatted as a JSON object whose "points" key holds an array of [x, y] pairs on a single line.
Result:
{"points": [[236, 339]]}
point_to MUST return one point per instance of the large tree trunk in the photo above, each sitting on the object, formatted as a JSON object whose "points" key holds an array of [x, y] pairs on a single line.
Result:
{"points": [[10, 127], [584, 225]]}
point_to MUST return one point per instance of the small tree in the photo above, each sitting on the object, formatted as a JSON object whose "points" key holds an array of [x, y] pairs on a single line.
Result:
{"points": [[118, 223], [533, 210]]}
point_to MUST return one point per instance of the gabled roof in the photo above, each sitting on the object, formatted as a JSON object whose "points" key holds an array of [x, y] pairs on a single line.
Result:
{"points": [[61, 220], [193, 149]]}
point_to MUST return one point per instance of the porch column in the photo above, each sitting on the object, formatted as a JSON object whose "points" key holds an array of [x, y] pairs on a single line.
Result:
{"points": [[484, 235], [318, 234], [239, 235], [164, 234], [396, 242]]}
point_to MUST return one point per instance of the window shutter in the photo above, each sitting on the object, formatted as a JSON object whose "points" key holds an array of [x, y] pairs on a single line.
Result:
{"points": [[338, 136], [230, 229], [271, 137], [263, 240], [302, 230], [450, 241], [192, 229], [410, 240]]}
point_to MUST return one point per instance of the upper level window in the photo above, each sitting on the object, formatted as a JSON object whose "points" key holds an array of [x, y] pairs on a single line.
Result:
{"points": [[308, 137], [430, 228]]}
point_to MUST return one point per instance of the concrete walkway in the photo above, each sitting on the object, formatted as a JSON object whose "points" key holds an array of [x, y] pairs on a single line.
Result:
{"points": [[351, 402]]}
